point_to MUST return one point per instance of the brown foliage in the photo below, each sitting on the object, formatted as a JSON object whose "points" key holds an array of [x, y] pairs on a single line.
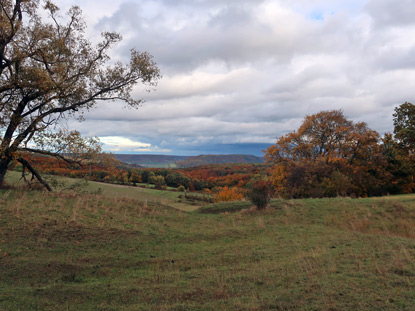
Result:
{"points": [[329, 155]]}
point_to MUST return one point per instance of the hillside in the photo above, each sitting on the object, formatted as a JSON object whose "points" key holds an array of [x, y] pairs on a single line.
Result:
{"points": [[219, 159], [166, 161], [150, 160], [97, 252]]}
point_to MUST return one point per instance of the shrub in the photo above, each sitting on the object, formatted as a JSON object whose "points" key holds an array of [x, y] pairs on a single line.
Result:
{"points": [[259, 194], [228, 194]]}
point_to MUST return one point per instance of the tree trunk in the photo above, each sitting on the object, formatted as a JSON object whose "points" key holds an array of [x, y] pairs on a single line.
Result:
{"points": [[4, 164]]}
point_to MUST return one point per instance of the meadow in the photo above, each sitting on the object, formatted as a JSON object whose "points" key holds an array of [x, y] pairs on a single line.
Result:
{"points": [[137, 251], [144, 192]]}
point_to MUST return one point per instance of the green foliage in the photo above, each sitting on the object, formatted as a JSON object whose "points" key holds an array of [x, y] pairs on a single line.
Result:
{"points": [[159, 182], [404, 125]]}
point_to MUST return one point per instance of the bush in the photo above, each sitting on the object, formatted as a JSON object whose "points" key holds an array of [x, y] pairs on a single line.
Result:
{"points": [[228, 194], [259, 194]]}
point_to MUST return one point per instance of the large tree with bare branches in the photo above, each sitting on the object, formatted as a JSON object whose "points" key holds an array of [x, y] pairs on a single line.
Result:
{"points": [[49, 72]]}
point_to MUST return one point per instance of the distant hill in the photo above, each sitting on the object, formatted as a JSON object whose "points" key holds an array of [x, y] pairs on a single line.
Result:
{"points": [[150, 160], [219, 159], [167, 161]]}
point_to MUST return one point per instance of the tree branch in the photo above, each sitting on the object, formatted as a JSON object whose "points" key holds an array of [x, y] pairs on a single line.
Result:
{"points": [[27, 165], [52, 154]]}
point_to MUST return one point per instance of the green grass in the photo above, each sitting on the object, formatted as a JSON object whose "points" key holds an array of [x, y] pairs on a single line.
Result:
{"points": [[101, 252], [171, 198]]}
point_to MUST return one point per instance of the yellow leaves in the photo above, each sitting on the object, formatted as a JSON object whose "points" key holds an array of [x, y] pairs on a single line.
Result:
{"points": [[278, 178], [228, 194], [37, 78], [72, 145]]}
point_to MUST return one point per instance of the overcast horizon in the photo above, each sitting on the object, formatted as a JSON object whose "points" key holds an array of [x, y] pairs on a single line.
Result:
{"points": [[239, 74]]}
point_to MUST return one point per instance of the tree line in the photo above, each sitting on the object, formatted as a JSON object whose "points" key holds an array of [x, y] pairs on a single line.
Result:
{"points": [[210, 179]]}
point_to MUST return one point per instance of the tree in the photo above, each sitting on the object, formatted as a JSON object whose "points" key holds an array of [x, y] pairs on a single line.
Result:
{"points": [[328, 155], [135, 176], [404, 126], [49, 72], [325, 135], [398, 166], [159, 182], [400, 149]]}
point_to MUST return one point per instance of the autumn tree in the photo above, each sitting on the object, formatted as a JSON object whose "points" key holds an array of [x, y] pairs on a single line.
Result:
{"points": [[326, 135], [328, 155], [50, 72]]}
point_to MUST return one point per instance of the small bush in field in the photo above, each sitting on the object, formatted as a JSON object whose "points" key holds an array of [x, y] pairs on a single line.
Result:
{"points": [[259, 194]]}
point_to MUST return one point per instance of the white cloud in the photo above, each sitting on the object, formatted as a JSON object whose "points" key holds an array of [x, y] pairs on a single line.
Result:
{"points": [[118, 143], [122, 144]]}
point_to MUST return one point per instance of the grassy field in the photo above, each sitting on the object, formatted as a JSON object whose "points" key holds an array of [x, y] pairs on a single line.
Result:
{"points": [[102, 252], [148, 194]]}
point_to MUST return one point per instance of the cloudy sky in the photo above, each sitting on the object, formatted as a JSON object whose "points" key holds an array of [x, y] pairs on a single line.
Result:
{"points": [[239, 73]]}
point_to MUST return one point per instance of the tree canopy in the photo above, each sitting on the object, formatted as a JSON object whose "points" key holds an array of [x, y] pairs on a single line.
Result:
{"points": [[328, 155], [50, 72], [404, 126]]}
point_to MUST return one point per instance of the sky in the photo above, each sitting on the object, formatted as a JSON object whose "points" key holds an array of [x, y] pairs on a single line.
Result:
{"points": [[238, 74]]}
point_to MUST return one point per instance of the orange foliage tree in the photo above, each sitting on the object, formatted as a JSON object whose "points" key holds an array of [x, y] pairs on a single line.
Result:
{"points": [[328, 155]]}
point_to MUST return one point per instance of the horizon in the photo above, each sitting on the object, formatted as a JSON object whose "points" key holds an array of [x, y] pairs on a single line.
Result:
{"points": [[180, 155]]}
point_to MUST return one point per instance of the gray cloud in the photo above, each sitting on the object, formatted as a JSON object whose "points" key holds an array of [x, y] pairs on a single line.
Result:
{"points": [[249, 71], [388, 13]]}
